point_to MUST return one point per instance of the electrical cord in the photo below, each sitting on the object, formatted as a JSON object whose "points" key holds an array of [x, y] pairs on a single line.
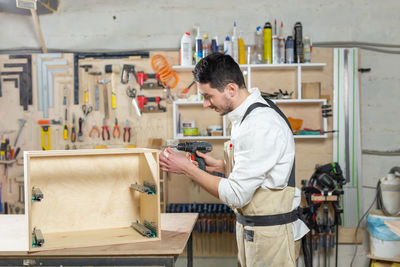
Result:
{"points": [[358, 226]]}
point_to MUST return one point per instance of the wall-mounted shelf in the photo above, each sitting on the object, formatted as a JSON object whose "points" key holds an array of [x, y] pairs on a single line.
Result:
{"points": [[310, 106], [7, 162]]}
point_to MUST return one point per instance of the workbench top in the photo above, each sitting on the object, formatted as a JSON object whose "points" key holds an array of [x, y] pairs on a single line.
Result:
{"points": [[175, 231]]}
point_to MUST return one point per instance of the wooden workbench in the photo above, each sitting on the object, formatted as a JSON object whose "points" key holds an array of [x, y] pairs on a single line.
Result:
{"points": [[176, 230]]}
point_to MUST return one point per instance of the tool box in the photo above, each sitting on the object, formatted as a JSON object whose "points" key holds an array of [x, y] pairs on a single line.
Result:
{"points": [[88, 198]]}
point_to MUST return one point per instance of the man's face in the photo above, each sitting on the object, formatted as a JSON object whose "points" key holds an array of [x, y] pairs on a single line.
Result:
{"points": [[214, 99]]}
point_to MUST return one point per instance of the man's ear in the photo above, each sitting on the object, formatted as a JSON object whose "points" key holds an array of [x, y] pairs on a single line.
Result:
{"points": [[231, 89]]}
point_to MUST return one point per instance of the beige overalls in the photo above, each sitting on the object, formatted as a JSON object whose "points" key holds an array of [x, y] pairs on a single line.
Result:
{"points": [[264, 245]]}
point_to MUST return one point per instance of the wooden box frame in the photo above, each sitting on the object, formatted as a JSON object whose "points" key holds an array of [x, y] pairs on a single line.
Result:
{"points": [[87, 196]]}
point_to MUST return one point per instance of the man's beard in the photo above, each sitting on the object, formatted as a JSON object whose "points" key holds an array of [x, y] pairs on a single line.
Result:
{"points": [[225, 109]]}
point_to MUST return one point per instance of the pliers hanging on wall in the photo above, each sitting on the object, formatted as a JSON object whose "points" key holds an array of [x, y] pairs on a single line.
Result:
{"points": [[127, 132], [104, 131], [116, 132]]}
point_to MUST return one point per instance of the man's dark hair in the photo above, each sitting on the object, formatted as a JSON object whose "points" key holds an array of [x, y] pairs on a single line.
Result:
{"points": [[218, 70]]}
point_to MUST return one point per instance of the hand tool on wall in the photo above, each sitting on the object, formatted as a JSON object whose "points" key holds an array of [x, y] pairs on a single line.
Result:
{"points": [[46, 141], [25, 78], [142, 77], [94, 129], [105, 134], [96, 91], [142, 100], [86, 109], [131, 92], [66, 124], [113, 69], [80, 134], [127, 132], [192, 147], [21, 126], [116, 131], [73, 132], [105, 96], [86, 67], [127, 72]]}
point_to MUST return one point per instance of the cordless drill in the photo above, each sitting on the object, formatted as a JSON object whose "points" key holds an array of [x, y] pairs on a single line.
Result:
{"points": [[192, 147]]}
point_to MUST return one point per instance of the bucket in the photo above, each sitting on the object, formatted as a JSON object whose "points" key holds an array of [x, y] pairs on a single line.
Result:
{"points": [[390, 188], [383, 242]]}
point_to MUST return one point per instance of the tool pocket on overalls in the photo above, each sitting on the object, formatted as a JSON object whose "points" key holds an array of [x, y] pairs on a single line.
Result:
{"points": [[267, 246]]}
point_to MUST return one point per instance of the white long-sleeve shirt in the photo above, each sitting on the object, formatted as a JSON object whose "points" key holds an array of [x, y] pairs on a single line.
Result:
{"points": [[263, 154]]}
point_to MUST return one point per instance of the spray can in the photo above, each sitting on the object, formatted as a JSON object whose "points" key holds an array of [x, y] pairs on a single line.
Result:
{"points": [[228, 46], [199, 46], [242, 59], [275, 49], [186, 50], [214, 44], [259, 48], [289, 49], [307, 49], [281, 50], [267, 43], [235, 44], [298, 38]]}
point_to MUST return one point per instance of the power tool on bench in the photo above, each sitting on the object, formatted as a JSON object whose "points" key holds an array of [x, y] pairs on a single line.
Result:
{"points": [[192, 147], [143, 100]]}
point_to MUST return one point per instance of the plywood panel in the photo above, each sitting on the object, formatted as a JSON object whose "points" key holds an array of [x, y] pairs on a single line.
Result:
{"points": [[88, 191]]}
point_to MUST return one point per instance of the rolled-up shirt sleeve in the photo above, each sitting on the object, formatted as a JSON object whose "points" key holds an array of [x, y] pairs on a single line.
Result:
{"points": [[257, 150]]}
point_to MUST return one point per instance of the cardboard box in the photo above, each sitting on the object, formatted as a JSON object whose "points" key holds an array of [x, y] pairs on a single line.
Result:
{"points": [[88, 199], [311, 90]]}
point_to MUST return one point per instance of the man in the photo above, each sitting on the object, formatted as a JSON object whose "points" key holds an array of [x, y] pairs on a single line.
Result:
{"points": [[259, 166]]}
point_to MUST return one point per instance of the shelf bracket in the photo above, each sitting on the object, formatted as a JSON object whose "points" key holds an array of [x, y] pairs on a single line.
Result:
{"points": [[37, 238], [148, 229], [37, 194], [147, 187]]}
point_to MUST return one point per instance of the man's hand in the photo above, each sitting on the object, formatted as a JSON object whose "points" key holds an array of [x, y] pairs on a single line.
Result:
{"points": [[212, 164], [171, 161]]}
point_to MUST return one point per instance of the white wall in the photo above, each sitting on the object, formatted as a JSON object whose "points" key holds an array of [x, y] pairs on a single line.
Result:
{"points": [[159, 24]]}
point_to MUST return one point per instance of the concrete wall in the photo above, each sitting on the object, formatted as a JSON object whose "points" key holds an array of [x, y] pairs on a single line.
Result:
{"points": [[141, 24]]}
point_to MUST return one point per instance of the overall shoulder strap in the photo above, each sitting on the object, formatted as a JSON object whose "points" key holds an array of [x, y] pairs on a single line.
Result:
{"points": [[250, 109], [272, 105]]}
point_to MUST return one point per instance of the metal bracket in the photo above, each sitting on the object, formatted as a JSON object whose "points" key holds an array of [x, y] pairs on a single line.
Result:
{"points": [[147, 187], [37, 195], [37, 238], [148, 229]]}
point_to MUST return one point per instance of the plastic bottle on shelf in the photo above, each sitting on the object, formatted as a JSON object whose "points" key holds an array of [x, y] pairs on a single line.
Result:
{"points": [[242, 59], [214, 44], [289, 50], [228, 46], [199, 46], [235, 44], [206, 46], [267, 43], [307, 49], [186, 50], [259, 47]]}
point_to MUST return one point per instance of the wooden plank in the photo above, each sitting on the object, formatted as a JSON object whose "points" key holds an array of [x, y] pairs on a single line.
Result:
{"points": [[322, 198], [176, 229], [38, 29], [346, 236], [153, 165], [90, 238]]}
